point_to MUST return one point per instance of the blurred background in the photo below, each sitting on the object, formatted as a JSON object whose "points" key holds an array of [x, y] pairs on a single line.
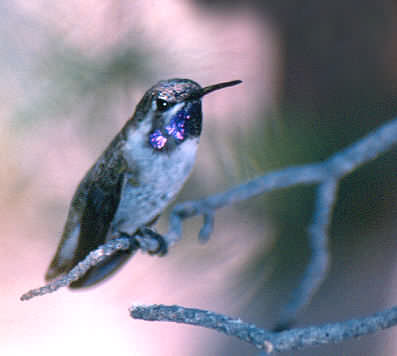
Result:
{"points": [[317, 76]]}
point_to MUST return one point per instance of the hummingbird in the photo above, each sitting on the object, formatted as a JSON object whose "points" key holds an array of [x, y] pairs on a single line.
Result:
{"points": [[135, 178]]}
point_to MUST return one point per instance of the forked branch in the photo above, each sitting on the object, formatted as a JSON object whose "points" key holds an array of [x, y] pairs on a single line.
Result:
{"points": [[327, 175]]}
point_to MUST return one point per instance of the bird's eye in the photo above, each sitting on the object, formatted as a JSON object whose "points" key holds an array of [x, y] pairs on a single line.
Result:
{"points": [[162, 105]]}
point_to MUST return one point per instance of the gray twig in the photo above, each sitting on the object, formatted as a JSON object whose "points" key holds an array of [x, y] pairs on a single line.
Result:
{"points": [[317, 268], [146, 243], [224, 324], [336, 167], [327, 174], [294, 339]]}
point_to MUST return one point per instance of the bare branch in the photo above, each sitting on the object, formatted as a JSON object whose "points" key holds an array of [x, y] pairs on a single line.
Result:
{"points": [[224, 324], [82, 267], [317, 268], [327, 174], [294, 339], [306, 174], [335, 167], [145, 243]]}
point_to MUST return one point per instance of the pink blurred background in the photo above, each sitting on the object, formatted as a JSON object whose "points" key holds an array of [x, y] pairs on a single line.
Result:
{"points": [[73, 73]]}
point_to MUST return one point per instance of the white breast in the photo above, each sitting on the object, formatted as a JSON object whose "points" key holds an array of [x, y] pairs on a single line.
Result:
{"points": [[161, 176]]}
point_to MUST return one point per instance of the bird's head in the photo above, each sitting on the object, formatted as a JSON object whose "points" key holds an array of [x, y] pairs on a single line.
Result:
{"points": [[170, 112]]}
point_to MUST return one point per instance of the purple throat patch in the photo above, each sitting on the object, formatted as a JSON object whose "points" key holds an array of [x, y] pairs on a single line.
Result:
{"points": [[175, 129]]}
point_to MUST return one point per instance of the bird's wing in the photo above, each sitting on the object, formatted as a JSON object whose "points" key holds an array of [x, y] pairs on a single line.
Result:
{"points": [[103, 198], [94, 206], [102, 201]]}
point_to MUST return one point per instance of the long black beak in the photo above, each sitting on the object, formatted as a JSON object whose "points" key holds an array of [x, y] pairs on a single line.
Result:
{"points": [[211, 88]]}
